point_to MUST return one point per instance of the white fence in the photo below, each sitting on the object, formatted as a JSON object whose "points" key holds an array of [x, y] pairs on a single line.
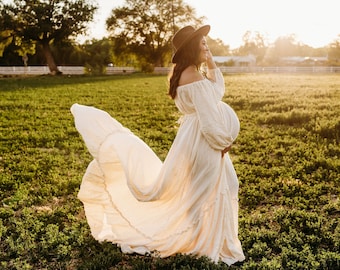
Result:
{"points": [[286, 69], [79, 70], [119, 70], [257, 69], [67, 70]]}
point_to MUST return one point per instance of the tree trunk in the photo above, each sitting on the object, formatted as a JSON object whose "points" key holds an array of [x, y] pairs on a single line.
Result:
{"points": [[49, 58]]}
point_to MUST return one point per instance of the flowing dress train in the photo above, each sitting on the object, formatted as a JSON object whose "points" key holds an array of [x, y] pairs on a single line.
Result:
{"points": [[188, 203]]}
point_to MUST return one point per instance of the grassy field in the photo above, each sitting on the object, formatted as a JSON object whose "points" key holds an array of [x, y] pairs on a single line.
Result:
{"points": [[287, 157]]}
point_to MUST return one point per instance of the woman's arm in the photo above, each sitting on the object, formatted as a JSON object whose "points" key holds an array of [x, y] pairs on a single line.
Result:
{"points": [[214, 74], [211, 124]]}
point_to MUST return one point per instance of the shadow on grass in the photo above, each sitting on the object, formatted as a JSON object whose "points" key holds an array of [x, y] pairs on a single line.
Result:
{"points": [[108, 256]]}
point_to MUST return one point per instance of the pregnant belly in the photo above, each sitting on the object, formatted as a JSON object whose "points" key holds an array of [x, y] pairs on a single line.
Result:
{"points": [[230, 119]]}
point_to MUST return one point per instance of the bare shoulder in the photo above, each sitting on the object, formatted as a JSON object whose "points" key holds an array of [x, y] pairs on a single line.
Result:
{"points": [[190, 75]]}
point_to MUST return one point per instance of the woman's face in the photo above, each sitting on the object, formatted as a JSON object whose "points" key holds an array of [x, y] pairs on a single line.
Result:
{"points": [[203, 50]]}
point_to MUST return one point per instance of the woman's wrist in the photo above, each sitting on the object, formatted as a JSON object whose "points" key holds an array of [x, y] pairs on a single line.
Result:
{"points": [[210, 61]]}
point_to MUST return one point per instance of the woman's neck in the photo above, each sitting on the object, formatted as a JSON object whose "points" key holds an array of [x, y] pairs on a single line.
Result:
{"points": [[195, 67]]}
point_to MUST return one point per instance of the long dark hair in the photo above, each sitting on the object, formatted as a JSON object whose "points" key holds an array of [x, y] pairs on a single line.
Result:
{"points": [[187, 56]]}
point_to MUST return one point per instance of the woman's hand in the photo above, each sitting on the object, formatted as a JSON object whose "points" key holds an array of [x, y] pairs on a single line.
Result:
{"points": [[225, 150], [210, 62]]}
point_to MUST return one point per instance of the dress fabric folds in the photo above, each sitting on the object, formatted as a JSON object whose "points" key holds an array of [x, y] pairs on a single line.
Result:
{"points": [[187, 204]]}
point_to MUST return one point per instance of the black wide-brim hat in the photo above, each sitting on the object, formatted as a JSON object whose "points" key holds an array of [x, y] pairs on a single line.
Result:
{"points": [[184, 35]]}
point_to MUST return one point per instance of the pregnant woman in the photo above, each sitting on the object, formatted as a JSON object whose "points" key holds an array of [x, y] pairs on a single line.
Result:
{"points": [[187, 204]]}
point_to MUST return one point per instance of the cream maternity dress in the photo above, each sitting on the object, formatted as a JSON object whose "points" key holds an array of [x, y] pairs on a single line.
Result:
{"points": [[188, 203]]}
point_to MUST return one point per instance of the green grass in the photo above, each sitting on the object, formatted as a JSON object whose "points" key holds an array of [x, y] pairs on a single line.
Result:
{"points": [[287, 157]]}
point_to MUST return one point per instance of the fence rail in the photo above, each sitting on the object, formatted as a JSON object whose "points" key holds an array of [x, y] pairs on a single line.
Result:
{"points": [[68, 70], [79, 70], [285, 69], [257, 69]]}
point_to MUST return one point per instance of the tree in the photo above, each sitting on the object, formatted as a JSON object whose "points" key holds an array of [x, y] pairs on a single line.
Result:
{"points": [[145, 28], [334, 51], [44, 22], [287, 46], [284, 46], [98, 55], [217, 47], [254, 44]]}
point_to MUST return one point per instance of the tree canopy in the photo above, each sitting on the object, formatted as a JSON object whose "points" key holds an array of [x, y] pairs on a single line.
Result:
{"points": [[334, 51], [145, 28], [28, 23], [140, 36]]}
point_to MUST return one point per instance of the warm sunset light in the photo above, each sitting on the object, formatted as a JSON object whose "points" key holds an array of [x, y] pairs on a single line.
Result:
{"points": [[313, 22]]}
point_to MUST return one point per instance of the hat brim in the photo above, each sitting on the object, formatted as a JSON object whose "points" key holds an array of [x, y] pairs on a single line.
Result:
{"points": [[204, 30]]}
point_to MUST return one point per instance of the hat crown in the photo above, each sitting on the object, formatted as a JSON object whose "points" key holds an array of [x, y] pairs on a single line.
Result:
{"points": [[182, 35]]}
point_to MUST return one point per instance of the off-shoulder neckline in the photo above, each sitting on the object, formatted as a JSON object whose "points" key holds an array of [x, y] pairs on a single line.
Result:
{"points": [[188, 84]]}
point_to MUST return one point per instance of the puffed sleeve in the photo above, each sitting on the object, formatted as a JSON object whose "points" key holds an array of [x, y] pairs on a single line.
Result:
{"points": [[216, 76], [211, 124]]}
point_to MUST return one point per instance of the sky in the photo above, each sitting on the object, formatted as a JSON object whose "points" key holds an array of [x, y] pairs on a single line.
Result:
{"points": [[313, 22]]}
